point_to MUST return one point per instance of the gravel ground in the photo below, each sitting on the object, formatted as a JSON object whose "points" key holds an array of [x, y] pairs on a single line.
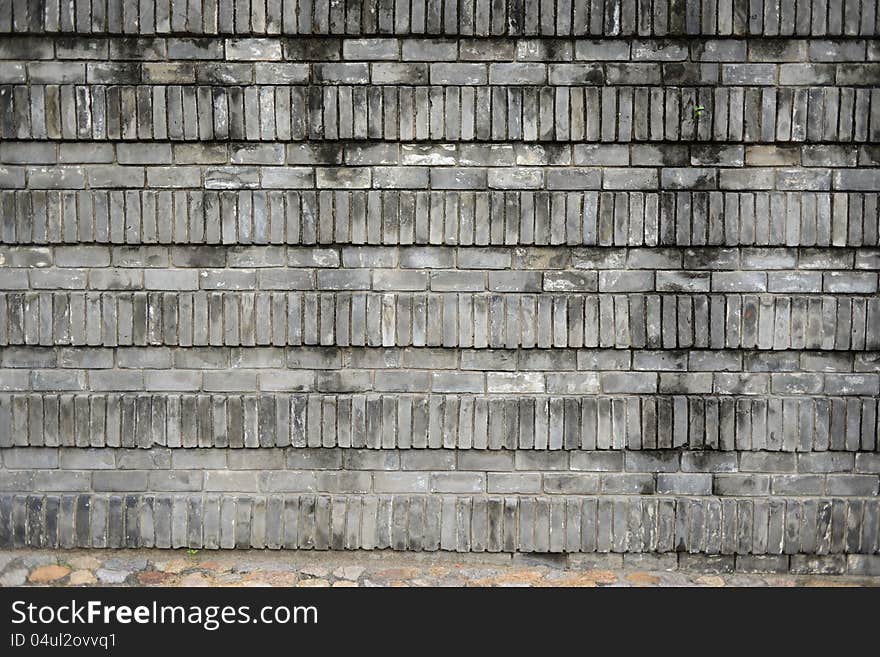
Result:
{"points": [[268, 568]]}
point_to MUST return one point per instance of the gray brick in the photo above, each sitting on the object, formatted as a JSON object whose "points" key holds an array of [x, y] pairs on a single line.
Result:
{"points": [[467, 74], [457, 482], [231, 481], [22, 458], [400, 482], [520, 482], [128, 481], [734, 484], [684, 484], [87, 459], [485, 460]]}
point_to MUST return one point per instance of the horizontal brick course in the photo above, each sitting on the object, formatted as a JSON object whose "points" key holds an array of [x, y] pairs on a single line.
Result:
{"points": [[723, 423], [455, 217], [463, 17], [623, 317], [445, 111], [607, 524]]}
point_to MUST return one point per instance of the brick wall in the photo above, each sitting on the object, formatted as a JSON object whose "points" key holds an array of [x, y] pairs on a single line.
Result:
{"points": [[592, 276]]}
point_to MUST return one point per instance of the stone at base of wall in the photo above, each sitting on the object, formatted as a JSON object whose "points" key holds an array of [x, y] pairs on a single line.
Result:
{"points": [[796, 564]]}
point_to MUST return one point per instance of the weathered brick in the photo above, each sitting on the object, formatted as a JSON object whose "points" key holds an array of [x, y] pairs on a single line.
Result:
{"points": [[578, 277]]}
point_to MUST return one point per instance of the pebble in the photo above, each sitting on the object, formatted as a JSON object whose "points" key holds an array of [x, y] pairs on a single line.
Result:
{"points": [[32, 560], [5, 560], [643, 579], [47, 574], [315, 571], [79, 577], [349, 572], [126, 563], [172, 566], [14, 577], [84, 563], [710, 580], [153, 578], [194, 580], [109, 576]]}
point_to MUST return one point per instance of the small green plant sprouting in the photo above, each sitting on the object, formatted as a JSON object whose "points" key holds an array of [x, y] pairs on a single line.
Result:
{"points": [[192, 552], [698, 111]]}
